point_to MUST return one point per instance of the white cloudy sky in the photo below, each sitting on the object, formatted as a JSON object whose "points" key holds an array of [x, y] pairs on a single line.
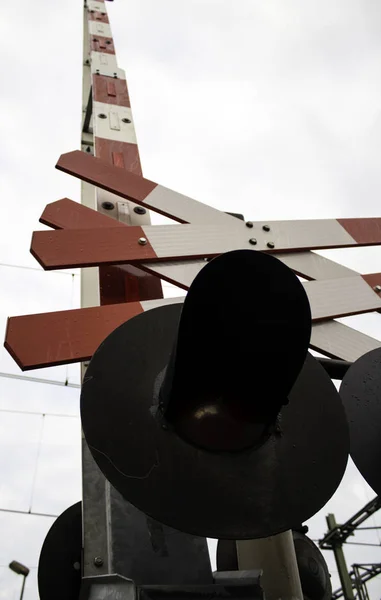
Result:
{"points": [[283, 96]]}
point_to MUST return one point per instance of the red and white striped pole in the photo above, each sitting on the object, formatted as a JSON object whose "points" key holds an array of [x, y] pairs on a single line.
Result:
{"points": [[107, 132]]}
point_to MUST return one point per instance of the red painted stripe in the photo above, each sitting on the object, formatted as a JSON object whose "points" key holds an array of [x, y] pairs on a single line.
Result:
{"points": [[108, 177], [110, 90], [364, 231], [101, 43], [98, 16], [71, 248], [105, 150], [63, 337], [67, 214], [118, 160]]}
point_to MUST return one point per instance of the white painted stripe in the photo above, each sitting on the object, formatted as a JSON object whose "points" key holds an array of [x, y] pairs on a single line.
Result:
{"points": [[304, 234], [178, 241], [187, 209], [105, 64], [99, 28], [96, 5], [314, 266], [306, 264], [117, 125], [328, 298], [340, 341], [341, 297], [182, 273]]}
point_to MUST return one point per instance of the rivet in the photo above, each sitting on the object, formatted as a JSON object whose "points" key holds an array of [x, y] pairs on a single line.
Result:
{"points": [[249, 224], [77, 566], [102, 116], [108, 42], [139, 210], [377, 288], [98, 561], [253, 241], [124, 120], [266, 227], [95, 40], [142, 241], [270, 245], [115, 75], [108, 205]]}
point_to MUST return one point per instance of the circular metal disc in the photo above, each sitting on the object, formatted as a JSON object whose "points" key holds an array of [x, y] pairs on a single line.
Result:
{"points": [[59, 567], [361, 394], [240, 495]]}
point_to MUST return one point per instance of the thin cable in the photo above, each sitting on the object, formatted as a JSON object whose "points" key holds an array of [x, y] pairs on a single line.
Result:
{"points": [[35, 269], [26, 512], [40, 380], [36, 412]]}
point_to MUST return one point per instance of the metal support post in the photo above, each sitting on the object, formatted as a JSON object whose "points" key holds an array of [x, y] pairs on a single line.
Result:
{"points": [[276, 557], [337, 547]]}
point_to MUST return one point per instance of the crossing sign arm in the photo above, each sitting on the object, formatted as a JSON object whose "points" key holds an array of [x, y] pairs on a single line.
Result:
{"points": [[90, 247]]}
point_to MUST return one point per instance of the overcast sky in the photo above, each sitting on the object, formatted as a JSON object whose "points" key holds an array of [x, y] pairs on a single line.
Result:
{"points": [[281, 96]]}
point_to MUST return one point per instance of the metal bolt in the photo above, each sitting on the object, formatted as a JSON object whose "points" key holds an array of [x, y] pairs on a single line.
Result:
{"points": [[77, 566], [88, 149], [95, 40], [253, 241], [102, 116], [87, 62], [266, 227], [377, 288], [115, 75], [250, 224], [270, 245], [139, 210], [108, 205], [124, 120], [142, 241], [97, 72], [108, 42], [98, 561]]}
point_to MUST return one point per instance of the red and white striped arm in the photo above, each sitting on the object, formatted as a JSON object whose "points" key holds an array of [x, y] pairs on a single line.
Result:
{"points": [[90, 247], [330, 298], [114, 142]]}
